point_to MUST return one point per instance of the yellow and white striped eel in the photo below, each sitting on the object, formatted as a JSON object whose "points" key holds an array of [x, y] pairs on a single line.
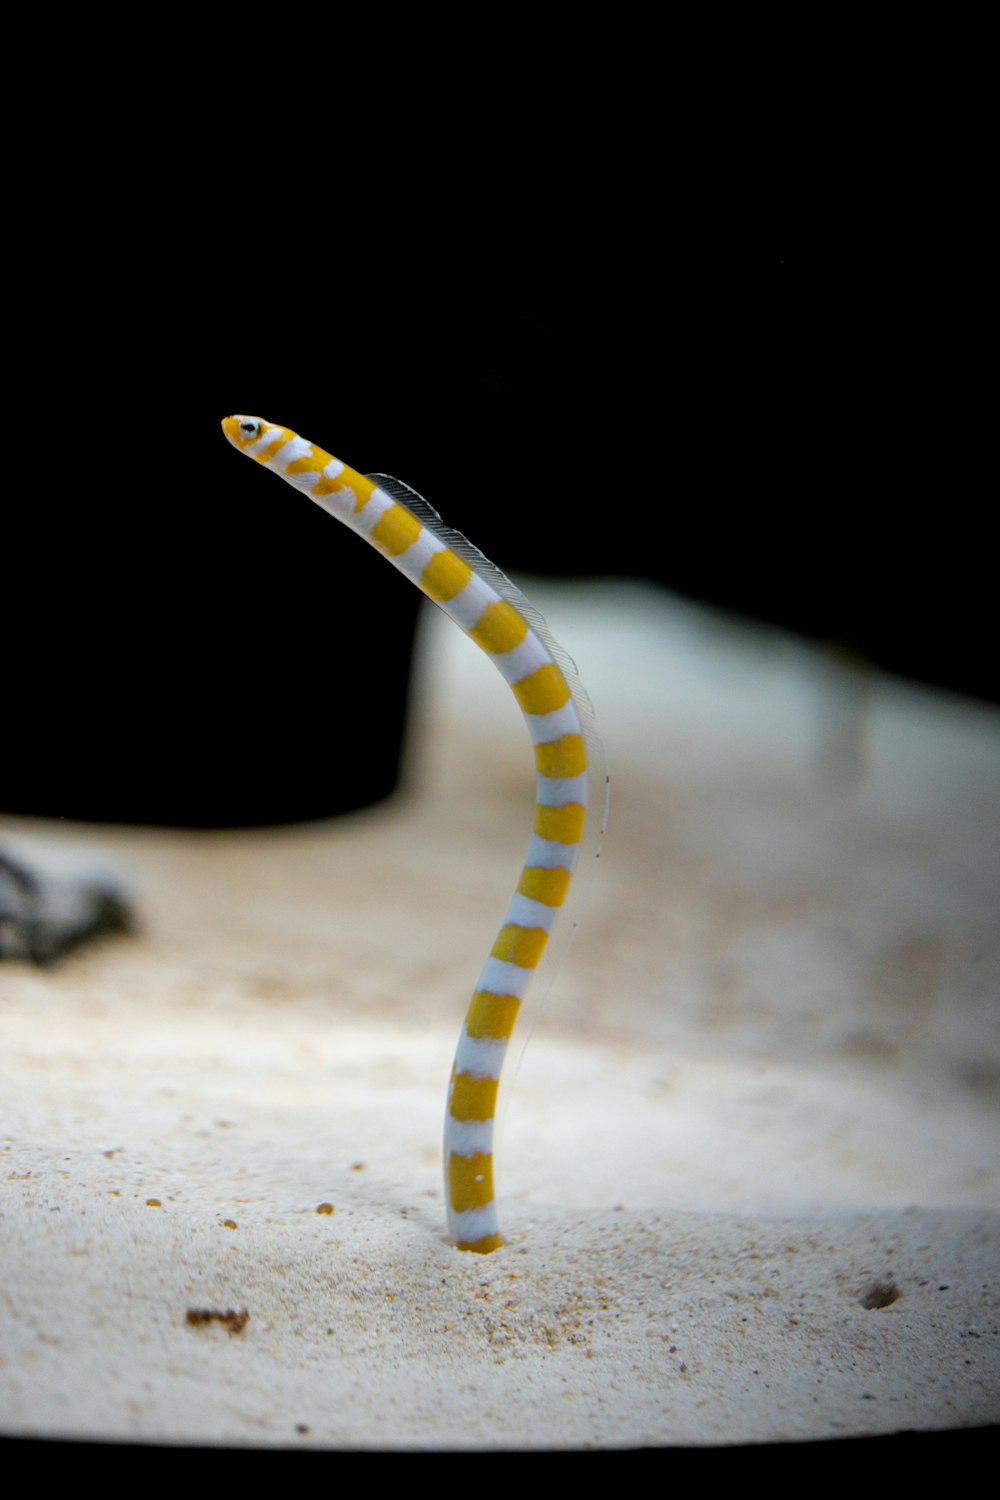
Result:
{"points": [[492, 611]]}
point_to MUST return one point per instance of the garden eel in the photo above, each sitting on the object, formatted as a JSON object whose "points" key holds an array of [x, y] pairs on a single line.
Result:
{"points": [[487, 607]]}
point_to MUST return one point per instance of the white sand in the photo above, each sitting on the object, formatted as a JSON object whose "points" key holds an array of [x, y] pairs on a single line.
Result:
{"points": [[763, 1087]]}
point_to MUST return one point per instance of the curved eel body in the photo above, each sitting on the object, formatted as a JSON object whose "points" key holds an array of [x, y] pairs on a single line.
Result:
{"points": [[405, 529]]}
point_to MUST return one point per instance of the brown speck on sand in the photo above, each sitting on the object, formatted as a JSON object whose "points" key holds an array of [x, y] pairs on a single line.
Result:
{"points": [[234, 1321]]}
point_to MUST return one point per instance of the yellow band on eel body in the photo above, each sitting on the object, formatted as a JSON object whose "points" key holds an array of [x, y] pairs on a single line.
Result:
{"points": [[543, 692], [396, 531], [445, 576], [561, 825], [470, 1181], [520, 945], [561, 758], [492, 1015], [473, 1098], [499, 628], [547, 886]]}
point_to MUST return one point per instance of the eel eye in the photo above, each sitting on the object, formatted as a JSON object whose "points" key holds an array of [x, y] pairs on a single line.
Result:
{"points": [[250, 427]]}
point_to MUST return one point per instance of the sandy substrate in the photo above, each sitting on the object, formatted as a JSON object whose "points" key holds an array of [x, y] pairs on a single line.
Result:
{"points": [[749, 1174]]}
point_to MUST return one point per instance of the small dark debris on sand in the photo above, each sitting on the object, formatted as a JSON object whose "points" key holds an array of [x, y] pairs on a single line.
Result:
{"points": [[234, 1321]]}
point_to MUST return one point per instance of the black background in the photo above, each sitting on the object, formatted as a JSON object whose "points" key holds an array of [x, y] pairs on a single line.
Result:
{"points": [[783, 433]]}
